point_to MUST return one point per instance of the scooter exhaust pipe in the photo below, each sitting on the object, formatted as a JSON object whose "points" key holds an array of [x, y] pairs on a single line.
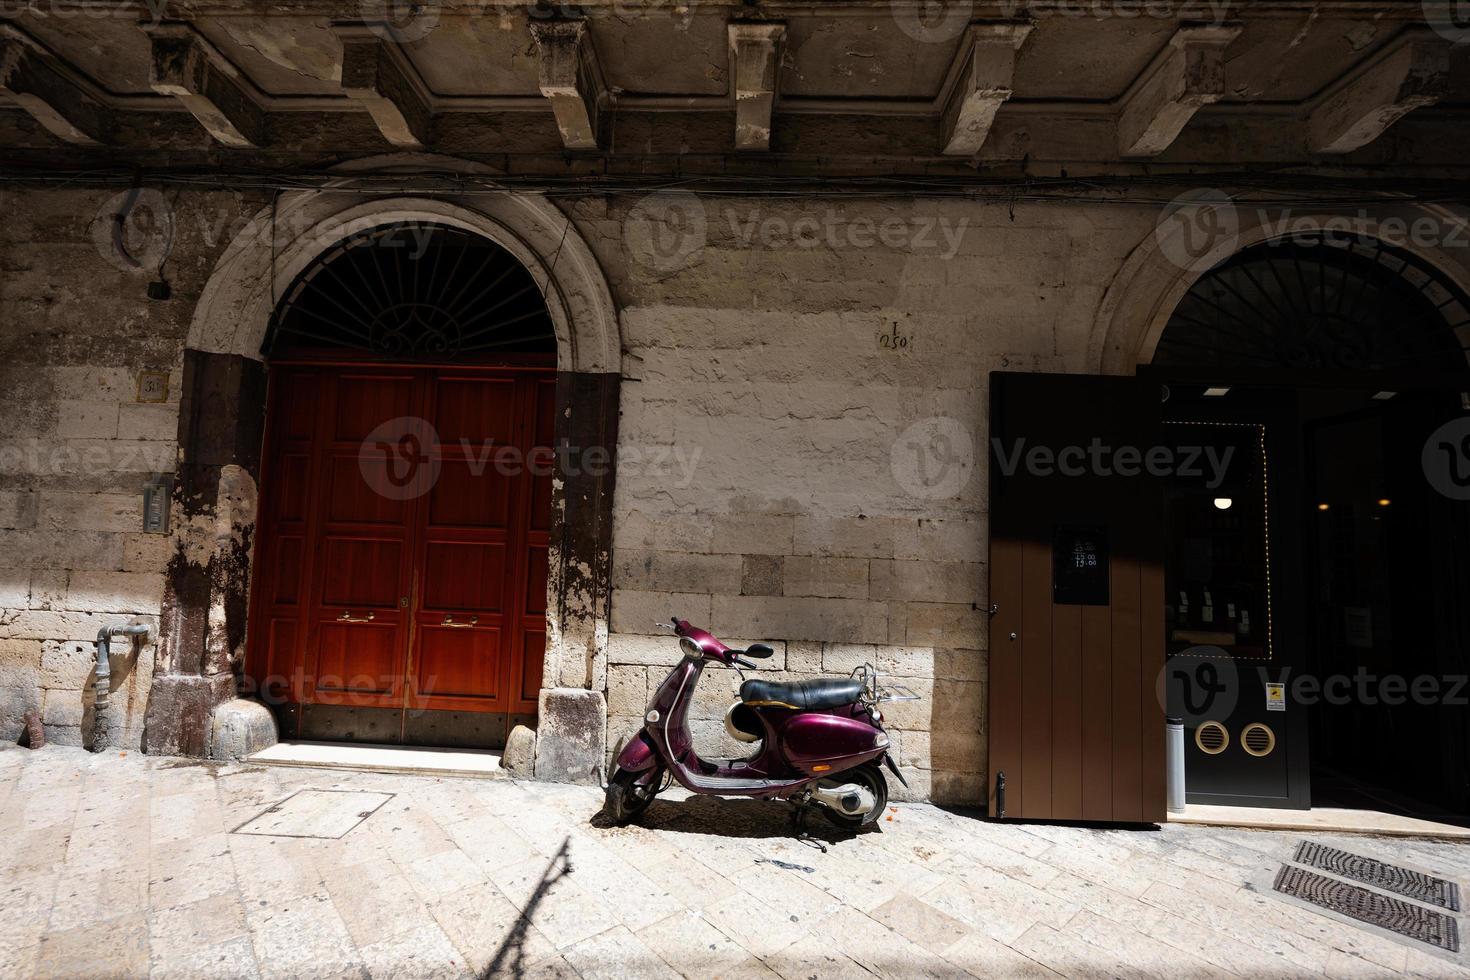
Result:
{"points": [[846, 798]]}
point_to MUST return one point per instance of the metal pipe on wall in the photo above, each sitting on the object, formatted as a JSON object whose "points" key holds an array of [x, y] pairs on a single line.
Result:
{"points": [[102, 703]]}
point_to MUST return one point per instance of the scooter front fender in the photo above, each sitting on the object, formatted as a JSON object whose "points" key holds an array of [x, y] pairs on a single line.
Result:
{"points": [[638, 754]]}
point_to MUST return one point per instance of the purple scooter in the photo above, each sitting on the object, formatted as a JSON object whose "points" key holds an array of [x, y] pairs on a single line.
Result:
{"points": [[822, 742]]}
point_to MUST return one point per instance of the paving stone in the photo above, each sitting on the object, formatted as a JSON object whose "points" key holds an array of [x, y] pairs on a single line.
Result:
{"points": [[458, 877]]}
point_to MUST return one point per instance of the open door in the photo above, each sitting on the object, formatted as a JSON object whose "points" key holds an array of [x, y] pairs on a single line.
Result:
{"points": [[1076, 579]]}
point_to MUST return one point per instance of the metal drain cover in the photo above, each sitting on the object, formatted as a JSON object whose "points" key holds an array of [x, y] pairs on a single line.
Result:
{"points": [[328, 814], [1389, 877], [1384, 911]]}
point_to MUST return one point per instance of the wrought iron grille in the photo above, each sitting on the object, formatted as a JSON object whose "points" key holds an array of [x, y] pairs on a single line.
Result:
{"points": [[1327, 302], [417, 292]]}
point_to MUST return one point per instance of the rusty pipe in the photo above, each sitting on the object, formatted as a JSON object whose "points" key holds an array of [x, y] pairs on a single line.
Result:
{"points": [[102, 701]]}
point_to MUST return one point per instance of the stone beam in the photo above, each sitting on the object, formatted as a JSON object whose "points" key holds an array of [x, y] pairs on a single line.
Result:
{"points": [[755, 65], [979, 81], [1409, 73], [1188, 73], [378, 75], [571, 79], [43, 85], [188, 67]]}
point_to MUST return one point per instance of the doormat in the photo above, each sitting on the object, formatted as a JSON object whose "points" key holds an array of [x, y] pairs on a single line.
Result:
{"points": [[1384, 911], [325, 814], [1389, 877]]}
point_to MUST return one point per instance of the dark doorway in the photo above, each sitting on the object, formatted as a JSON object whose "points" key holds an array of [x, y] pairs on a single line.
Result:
{"points": [[1345, 357], [1387, 588]]}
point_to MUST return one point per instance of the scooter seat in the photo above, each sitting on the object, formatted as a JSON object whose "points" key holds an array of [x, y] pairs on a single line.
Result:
{"points": [[824, 692]]}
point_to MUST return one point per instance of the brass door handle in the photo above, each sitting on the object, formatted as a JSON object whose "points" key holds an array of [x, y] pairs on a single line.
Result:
{"points": [[449, 621], [347, 617]]}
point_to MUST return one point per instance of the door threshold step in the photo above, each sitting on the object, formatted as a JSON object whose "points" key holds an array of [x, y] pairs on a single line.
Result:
{"points": [[1318, 819], [480, 763]]}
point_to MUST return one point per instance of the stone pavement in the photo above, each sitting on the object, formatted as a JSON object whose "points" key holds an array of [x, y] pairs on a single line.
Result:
{"points": [[125, 865]]}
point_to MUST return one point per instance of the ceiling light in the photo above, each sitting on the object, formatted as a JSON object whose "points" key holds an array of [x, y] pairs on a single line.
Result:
{"points": [[1384, 396], [1216, 392], [1322, 506], [1223, 503]]}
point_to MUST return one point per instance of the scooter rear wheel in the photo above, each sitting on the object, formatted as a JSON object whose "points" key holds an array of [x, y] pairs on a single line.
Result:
{"points": [[871, 778], [627, 798]]}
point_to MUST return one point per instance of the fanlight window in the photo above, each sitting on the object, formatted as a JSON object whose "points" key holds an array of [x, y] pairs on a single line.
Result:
{"points": [[414, 292], [1329, 302]]}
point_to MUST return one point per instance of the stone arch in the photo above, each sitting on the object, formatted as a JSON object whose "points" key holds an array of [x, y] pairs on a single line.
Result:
{"points": [[279, 242], [1150, 284], [206, 598]]}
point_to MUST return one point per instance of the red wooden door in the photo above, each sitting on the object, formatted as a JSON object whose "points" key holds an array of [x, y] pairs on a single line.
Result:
{"points": [[402, 561]]}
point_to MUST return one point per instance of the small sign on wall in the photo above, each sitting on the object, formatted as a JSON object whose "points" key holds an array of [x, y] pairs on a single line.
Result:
{"points": [[1275, 697], [153, 386], [1079, 569]]}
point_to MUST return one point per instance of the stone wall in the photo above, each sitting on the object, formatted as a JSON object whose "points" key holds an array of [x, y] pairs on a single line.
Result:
{"points": [[818, 371], [78, 446], [801, 444]]}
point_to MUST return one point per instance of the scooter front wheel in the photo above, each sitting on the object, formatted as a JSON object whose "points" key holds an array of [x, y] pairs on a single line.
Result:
{"points": [[867, 777], [627, 797]]}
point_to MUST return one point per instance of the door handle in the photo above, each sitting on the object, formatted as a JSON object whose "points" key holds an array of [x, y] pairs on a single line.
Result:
{"points": [[449, 621], [347, 617]]}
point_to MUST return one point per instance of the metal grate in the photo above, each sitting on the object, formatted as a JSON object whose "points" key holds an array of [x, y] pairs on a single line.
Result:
{"points": [[1329, 301], [1384, 911], [1258, 739], [1389, 877], [414, 291], [1211, 737]]}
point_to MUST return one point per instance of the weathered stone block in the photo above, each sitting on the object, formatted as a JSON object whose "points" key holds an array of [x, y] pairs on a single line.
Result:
{"points": [[657, 571], [154, 422], [840, 578], [790, 618], [519, 757], [43, 624], [48, 588], [641, 612], [49, 549], [18, 509], [762, 575], [146, 552], [571, 740], [67, 664], [86, 420], [241, 728], [947, 625], [844, 658], [960, 539], [752, 534], [179, 710], [92, 511], [63, 708], [627, 690], [928, 581], [129, 593], [854, 537]]}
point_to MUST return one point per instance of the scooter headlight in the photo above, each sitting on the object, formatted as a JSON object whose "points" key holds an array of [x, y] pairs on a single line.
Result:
{"points": [[690, 648]]}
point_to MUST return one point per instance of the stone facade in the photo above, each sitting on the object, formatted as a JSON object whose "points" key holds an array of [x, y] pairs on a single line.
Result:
{"points": [[801, 442]]}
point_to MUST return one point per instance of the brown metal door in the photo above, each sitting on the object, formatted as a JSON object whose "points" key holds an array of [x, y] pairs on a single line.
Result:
{"points": [[402, 561], [1076, 579]]}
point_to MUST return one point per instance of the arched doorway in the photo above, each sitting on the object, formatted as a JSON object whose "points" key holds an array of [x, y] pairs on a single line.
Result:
{"points": [[1315, 584], [400, 575]]}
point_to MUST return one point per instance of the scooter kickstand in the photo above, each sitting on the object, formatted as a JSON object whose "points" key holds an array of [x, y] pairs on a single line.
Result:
{"points": [[798, 823]]}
